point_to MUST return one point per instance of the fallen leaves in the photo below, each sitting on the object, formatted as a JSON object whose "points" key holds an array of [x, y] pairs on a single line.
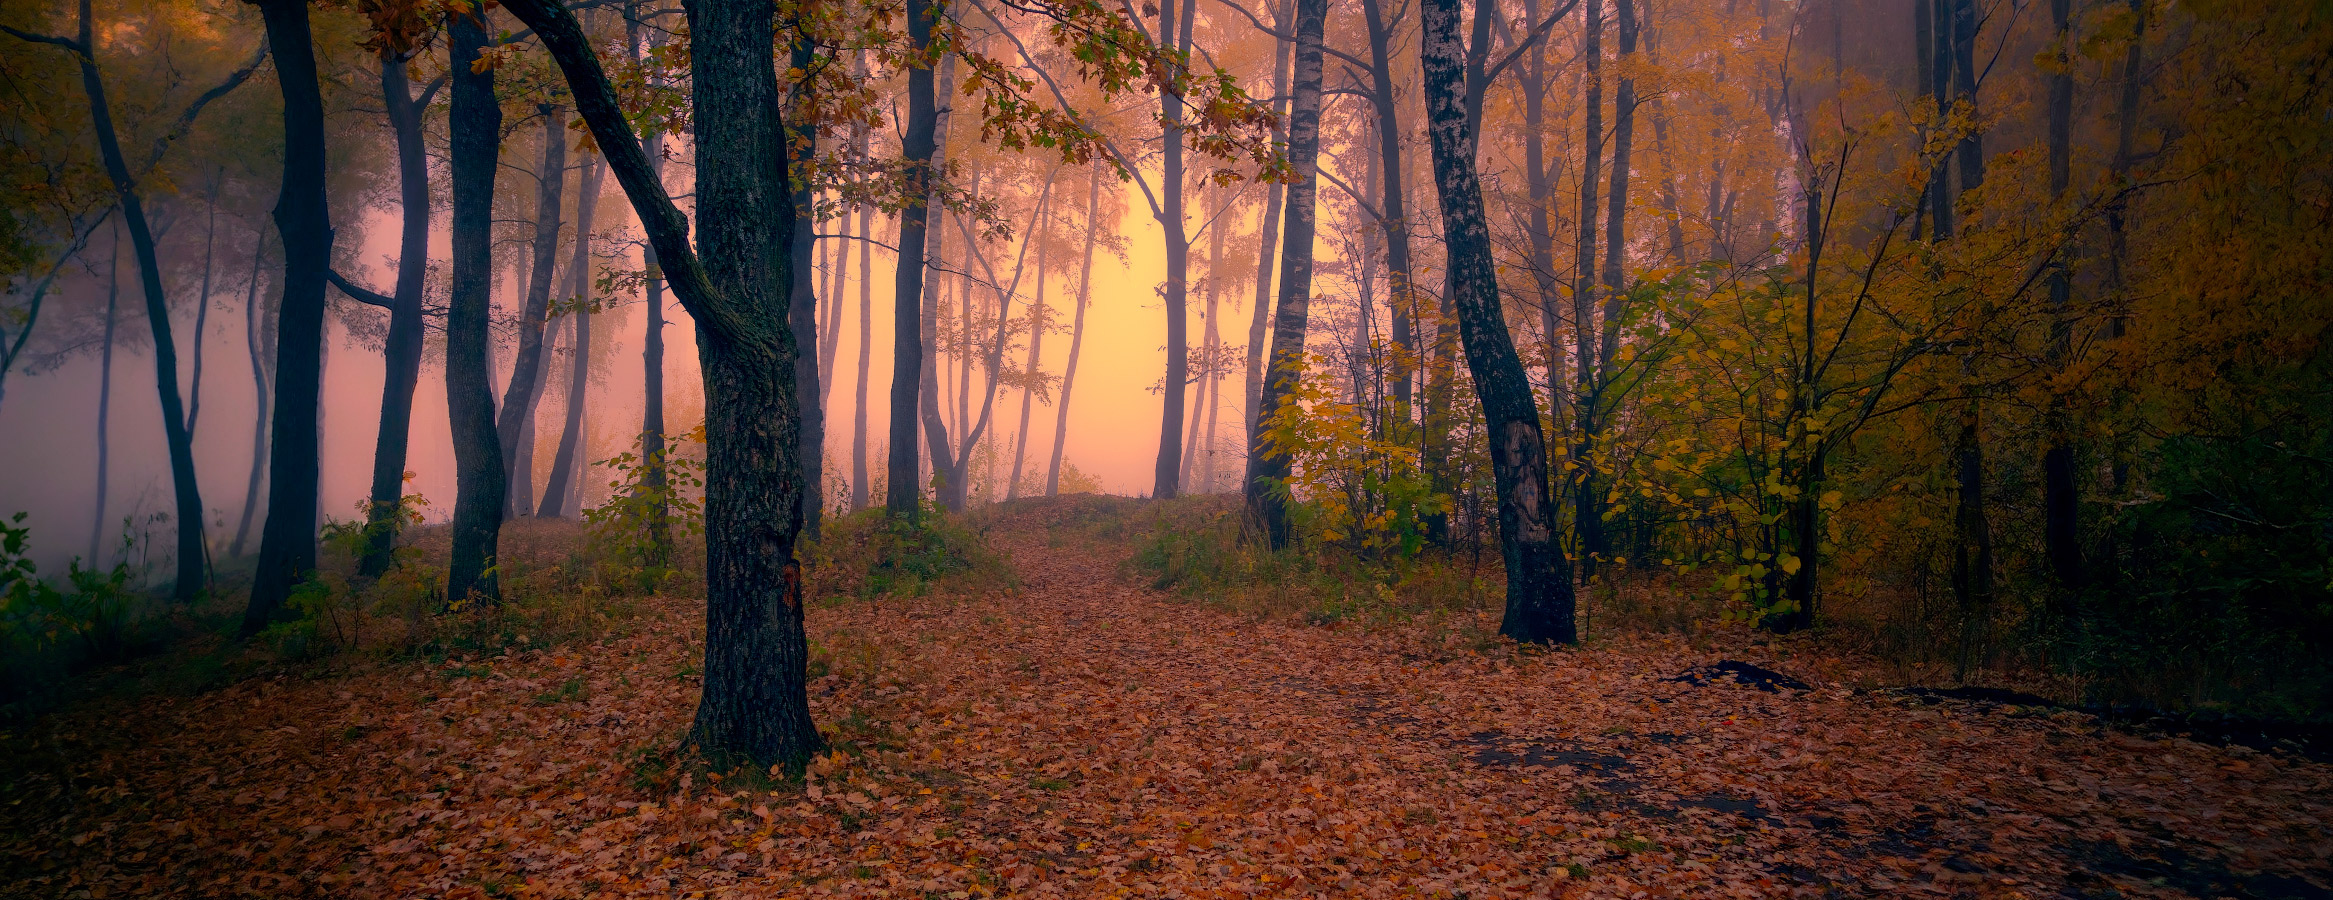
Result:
{"points": [[1083, 738]]}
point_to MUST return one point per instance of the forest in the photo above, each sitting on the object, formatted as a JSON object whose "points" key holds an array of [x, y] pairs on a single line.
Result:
{"points": [[781, 448]]}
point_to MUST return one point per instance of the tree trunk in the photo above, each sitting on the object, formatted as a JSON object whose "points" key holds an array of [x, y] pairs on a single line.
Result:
{"points": [[1214, 345], [1539, 178], [1616, 212], [2062, 526], [1267, 237], [1268, 462], [1393, 204], [1030, 369], [918, 144], [105, 403], [802, 317], [652, 429], [474, 131], [402, 355], [859, 492], [1085, 279], [1166, 480], [191, 553], [1539, 590], [287, 544], [1588, 509], [202, 309], [258, 338], [514, 425], [568, 465], [755, 708], [1973, 542]]}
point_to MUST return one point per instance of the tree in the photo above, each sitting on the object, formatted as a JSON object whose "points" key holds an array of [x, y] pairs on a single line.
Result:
{"points": [[568, 463], [474, 126], [402, 355], [1539, 590], [1085, 285], [287, 544], [514, 424], [193, 556], [755, 707], [918, 142], [1268, 464]]}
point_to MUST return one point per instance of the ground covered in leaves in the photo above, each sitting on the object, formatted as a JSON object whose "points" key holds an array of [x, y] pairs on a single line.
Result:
{"points": [[1078, 736]]}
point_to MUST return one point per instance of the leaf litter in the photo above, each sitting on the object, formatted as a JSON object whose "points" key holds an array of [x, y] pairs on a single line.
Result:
{"points": [[1078, 736]]}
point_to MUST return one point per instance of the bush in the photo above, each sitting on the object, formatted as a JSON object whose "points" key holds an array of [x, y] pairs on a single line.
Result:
{"points": [[1193, 547], [869, 555]]}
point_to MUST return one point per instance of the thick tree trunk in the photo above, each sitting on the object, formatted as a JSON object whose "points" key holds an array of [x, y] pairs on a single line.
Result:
{"points": [[1166, 478], [287, 544], [569, 464], [192, 555], [1268, 463], [402, 355], [474, 130], [259, 340], [755, 708], [917, 144], [1539, 589], [1085, 279], [514, 426], [105, 404]]}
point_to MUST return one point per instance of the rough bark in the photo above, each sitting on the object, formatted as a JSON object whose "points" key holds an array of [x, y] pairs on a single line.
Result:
{"points": [[401, 357], [1539, 590], [287, 544], [474, 130], [1268, 463]]}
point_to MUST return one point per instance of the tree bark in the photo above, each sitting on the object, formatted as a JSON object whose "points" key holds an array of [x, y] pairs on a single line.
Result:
{"points": [[474, 127], [287, 544], [917, 144], [859, 487], [569, 463], [514, 425], [1616, 210], [755, 708], [1539, 590], [401, 357], [1973, 544], [202, 308], [1268, 462], [1085, 279]]}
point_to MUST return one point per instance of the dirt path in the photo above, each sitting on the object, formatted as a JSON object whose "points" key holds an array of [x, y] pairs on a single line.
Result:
{"points": [[1080, 737]]}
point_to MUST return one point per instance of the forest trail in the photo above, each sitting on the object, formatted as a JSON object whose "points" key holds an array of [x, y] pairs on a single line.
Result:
{"points": [[1079, 736]]}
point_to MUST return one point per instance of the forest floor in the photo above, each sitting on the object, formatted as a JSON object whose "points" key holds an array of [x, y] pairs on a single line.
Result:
{"points": [[1075, 735]]}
